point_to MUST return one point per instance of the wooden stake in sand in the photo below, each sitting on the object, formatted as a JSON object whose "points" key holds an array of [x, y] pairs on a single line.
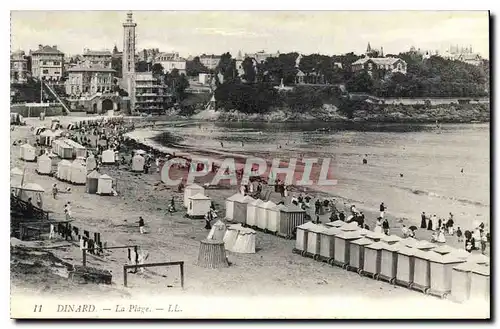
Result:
{"points": [[212, 254]]}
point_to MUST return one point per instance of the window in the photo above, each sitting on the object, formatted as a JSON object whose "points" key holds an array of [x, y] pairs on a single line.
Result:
{"points": [[45, 71], [57, 63], [57, 73], [44, 62]]}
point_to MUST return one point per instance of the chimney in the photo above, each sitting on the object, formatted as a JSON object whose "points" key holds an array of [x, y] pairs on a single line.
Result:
{"points": [[40, 47], [55, 47]]}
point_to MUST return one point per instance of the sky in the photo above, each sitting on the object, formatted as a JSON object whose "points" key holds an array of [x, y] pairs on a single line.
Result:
{"points": [[197, 32]]}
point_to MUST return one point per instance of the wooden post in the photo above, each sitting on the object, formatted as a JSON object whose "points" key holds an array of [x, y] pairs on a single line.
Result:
{"points": [[84, 257], [124, 275], [182, 274], [212, 254]]}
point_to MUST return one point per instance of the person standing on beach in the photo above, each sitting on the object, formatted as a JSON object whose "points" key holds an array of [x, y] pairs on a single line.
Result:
{"points": [[141, 225], [54, 191], [382, 210], [423, 222], [385, 226]]}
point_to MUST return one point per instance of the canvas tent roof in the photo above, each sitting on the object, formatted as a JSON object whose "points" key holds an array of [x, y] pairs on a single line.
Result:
{"points": [[32, 187], [17, 171], [64, 163], [199, 196], [362, 241], [105, 177], [269, 205], [444, 249], [478, 259], [352, 226], [235, 197], [94, 174], [47, 133], [391, 238]]}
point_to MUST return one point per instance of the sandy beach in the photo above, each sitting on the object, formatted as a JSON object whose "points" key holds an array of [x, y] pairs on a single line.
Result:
{"points": [[272, 271]]}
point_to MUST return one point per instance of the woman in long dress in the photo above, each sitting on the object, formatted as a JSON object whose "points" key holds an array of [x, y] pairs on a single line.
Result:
{"points": [[440, 237]]}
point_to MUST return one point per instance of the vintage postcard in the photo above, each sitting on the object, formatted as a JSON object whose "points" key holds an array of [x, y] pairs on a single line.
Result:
{"points": [[250, 164]]}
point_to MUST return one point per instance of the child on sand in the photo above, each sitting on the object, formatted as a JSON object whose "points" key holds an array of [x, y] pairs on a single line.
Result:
{"points": [[141, 225]]}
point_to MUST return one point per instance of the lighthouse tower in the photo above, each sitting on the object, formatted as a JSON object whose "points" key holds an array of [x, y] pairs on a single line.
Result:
{"points": [[128, 58]]}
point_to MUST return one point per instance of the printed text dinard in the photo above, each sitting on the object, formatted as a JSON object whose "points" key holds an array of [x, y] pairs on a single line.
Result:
{"points": [[118, 308]]}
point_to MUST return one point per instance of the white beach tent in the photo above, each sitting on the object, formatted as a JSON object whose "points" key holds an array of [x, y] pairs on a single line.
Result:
{"points": [[261, 221], [230, 205], [33, 191], [264, 216], [92, 182], [198, 205], [105, 185], [240, 209], [16, 176], [46, 137], [231, 235], [245, 242], [138, 163], [64, 170], [217, 231], [78, 173], [191, 190], [78, 149], [108, 157], [253, 212], [273, 216], [28, 152], [44, 165], [91, 162]]}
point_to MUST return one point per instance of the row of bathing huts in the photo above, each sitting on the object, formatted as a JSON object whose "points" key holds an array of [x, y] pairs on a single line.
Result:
{"points": [[438, 270]]}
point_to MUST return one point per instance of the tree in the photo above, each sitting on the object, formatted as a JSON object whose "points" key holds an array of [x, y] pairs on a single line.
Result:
{"points": [[361, 82], [178, 83], [157, 70], [142, 66], [115, 50], [249, 69], [116, 64], [227, 67], [195, 67]]}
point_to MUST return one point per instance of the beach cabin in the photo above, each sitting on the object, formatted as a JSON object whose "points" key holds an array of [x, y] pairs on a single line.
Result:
{"points": [[33, 191], [44, 165], [28, 152], [480, 283], [460, 281], [138, 162], [405, 266], [342, 247], [191, 190], [105, 185], [357, 254], [64, 170], [63, 150], [240, 209], [78, 149], [327, 244], [389, 261], [372, 260], [46, 137], [231, 235], [441, 267], [16, 177], [253, 212], [198, 206], [263, 218], [422, 271], [313, 245], [217, 231], [108, 157], [301, 238], [290, 217], [230, 205], [92, 182], [78, 174], [245, 242], [273, 213], [91, 162]]}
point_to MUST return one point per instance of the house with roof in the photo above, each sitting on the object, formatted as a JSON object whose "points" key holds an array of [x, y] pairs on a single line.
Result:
{"points": [[101, 58], [379, 65], [47, 63], [171, 61], [210, 61], [18, 67]]}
